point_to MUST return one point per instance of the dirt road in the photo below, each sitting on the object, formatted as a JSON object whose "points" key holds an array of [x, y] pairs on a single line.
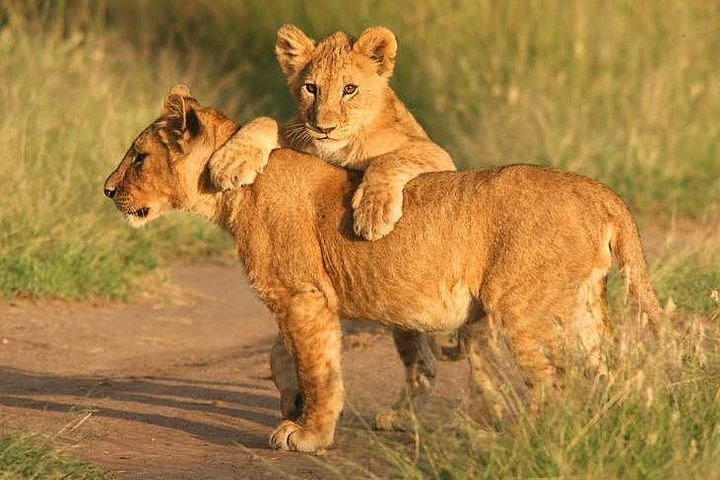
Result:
{"points": [[175, 384]]}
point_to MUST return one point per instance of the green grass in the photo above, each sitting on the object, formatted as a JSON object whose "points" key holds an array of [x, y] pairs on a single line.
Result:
{"points": [[627, 92], [691, 280], [33, 457]]}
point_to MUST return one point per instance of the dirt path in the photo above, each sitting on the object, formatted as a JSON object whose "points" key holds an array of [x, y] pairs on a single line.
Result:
{"points": [[176, 384]]}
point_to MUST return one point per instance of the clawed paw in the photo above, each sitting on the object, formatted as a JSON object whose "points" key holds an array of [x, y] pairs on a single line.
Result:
{"points": [[294, 437], [376, 210], [235, 165]]}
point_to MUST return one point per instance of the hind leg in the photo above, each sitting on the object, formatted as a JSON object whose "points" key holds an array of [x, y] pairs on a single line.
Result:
{"points": [[498, 391], [447, 346], [420, 364]]}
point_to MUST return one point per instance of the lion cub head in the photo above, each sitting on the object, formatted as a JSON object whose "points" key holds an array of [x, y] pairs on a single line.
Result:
{"points": [[165, 167], [340, 84]]}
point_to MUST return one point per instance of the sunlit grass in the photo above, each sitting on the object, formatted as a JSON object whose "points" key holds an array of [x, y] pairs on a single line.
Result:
{"points": [[73, 101], [656, 414]]}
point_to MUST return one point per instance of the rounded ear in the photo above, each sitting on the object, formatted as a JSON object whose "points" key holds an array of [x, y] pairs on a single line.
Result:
{"points": [[179, 111], [175, 103], [181, 89], [293, 49], [380, 45]]}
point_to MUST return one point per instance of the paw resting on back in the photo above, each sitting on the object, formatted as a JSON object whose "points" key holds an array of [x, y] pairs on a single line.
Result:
{"points": [[235, 165], [376, 209]]}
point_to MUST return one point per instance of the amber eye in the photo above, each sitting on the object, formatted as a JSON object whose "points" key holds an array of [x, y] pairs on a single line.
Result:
{"points": [[139, 160], [349, 89], [311, 88]]}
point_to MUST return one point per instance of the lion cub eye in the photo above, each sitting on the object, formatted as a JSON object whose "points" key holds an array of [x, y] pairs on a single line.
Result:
{"points": [[311, 88], [349, 89], [139, 159]]}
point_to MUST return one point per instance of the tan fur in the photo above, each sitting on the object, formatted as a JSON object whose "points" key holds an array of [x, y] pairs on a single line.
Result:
{"points": [[369, 130], [517, 255]]}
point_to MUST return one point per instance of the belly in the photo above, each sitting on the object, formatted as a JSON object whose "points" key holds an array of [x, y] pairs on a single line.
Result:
{"points": [[427, 308]]}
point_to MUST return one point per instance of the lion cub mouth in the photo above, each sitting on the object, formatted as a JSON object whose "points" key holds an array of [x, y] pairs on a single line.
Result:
{"points": [[328, 142], [136, 218], [141, 212]]}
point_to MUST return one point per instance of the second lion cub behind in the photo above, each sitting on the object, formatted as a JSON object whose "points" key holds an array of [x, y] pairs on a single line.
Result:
{"points": [[347, 115]]}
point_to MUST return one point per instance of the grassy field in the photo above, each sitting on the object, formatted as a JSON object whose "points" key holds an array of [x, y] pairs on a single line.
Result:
{"points": [[625, 91]]}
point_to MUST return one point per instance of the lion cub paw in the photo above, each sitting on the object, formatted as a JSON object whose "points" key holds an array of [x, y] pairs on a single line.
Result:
{"points": [[294, 437], [235, 165], [376, 209]]}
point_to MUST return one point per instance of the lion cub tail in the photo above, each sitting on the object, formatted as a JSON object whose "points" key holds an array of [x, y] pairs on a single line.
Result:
{"points": [[627, 250]]}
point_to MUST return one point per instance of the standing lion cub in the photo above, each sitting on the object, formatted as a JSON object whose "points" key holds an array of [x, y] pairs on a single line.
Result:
{"points": [[347, 115], [517, 256]]}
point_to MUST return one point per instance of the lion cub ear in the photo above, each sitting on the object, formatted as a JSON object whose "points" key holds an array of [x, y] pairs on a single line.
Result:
{"points": [[293, 49], [179, 111], [380, 45]]}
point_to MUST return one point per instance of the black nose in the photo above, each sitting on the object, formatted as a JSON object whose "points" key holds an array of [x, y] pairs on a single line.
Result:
{"points": [[325, 130], [109, 193]]}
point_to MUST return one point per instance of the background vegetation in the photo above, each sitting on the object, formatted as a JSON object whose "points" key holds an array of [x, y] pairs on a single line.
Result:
{"points": [[628, 92], [624, 91]]}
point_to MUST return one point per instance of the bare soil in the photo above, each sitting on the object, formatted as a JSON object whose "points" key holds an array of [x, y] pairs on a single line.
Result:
{"points": [[176, 384]]}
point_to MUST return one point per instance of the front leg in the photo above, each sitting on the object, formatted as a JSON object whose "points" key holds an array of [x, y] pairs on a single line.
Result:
{"points": [[313, 335], [245, 155], [377, 202], [284, 374]]}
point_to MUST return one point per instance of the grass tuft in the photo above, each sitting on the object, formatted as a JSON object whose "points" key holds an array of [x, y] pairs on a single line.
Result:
{"points": [[33, 457]]}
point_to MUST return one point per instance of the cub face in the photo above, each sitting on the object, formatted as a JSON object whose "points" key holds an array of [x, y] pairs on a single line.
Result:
{"points": [[162, 164], [339, 83]]}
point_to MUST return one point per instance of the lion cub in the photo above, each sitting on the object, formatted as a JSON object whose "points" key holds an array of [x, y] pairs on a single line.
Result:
{"points": [[349, 116], [517, 257]]}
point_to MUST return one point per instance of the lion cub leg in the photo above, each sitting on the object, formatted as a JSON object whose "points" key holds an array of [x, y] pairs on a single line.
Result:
{"points": [[313, 334], [498, 392], [378, 201], [420, 371], [284, 374]]}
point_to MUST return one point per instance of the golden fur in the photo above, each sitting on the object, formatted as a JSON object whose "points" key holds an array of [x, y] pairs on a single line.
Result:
{"points": [[368, 129], [517, 256]]}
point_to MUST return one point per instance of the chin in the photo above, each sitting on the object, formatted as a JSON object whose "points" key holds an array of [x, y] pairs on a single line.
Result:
{"points": [[328, 145], [137, 221]]}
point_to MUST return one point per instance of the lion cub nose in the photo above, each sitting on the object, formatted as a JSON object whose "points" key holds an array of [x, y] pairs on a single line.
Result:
{"points": [[110, 193], [326, 130]]}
